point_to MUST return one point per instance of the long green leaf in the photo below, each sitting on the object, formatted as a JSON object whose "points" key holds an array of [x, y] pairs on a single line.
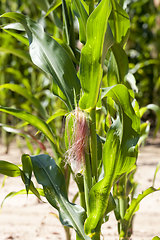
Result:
{"points": [[18, 36], [9, 169], [119, 153], [49, 56], [49, 175], [91, 68], [132, 209], [54, 5], [21, 192], [33, 120]]}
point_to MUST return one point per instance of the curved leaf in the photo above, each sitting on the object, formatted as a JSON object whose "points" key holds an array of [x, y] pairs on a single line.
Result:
{"points": [[18, 36], [23, 191], [54, 5], [9, 169], [58, 113], [49, 175], [132, 209], [49, 56], [33, 120]]}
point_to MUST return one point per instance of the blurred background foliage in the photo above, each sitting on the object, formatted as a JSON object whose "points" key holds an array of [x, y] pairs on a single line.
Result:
{"points": [[143, 49]]}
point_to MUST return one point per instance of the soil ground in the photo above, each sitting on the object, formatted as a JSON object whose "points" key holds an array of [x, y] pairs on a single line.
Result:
{"points": [[23, 218]]}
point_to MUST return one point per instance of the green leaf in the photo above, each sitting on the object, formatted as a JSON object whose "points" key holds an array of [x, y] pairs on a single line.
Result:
{"points": [[145, 129], [91, 68], [132, 209], [121, 60], [49, 56], [23, 191], [9, 169], [155, 173], [68, 23], [156, 238], [55, 4], [26, 94], [33, 120], [119, 153], [67, 48], [58, 113], [112, 74], [82, 16], [119, 22], [31, 186], [49, 175], [27, 170], [18, 36], [18, 53], [15, 26]]}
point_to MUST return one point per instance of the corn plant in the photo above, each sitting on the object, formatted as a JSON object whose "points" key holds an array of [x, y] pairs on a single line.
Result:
{"points": [[100, 142]]}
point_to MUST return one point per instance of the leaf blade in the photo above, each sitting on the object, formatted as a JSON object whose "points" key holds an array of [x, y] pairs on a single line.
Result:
{"points": [[50, 176]]}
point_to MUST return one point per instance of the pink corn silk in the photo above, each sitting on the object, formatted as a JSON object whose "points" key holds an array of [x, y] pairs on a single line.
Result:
{"points": [[76, 152]]}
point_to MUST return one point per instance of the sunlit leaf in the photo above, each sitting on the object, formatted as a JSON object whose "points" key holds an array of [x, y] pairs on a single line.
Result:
{"points": [[82, 16], [119, 153], [55, 4], [9, 169], [119, 22], [18, 36], [133, 207], [91, 68], [58, 113]]}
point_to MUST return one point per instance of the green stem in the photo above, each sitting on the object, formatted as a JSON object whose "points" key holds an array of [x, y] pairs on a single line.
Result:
{"points": [[82, 200], [93, 145]]}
